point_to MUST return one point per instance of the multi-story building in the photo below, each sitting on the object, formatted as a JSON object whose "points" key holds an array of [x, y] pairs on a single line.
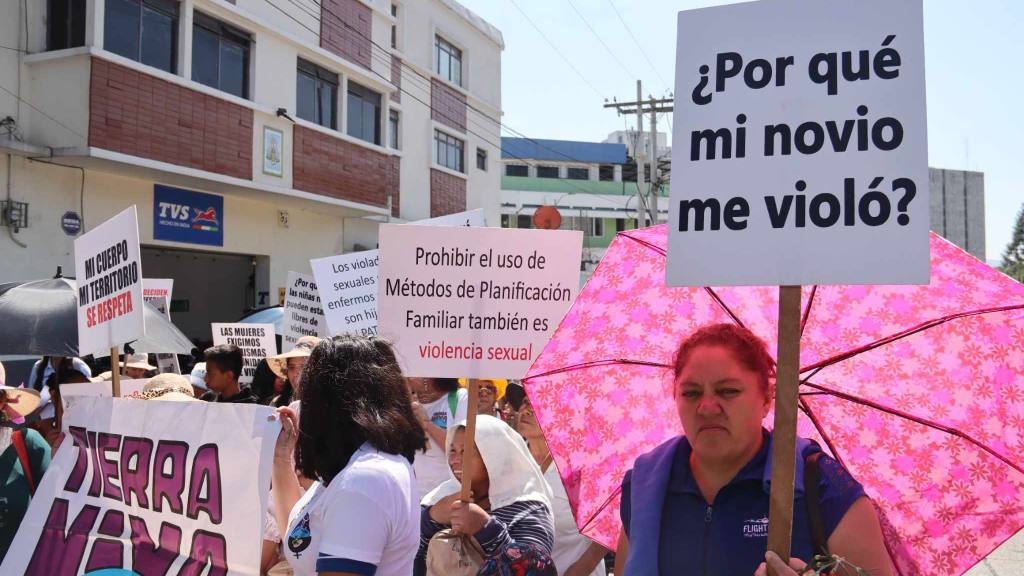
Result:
{"points": [[642, 140], [291, 128], [592, 185], [958, 208]]}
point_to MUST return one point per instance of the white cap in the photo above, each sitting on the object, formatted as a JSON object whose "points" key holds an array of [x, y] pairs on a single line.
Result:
{"points": [[198, 375]]}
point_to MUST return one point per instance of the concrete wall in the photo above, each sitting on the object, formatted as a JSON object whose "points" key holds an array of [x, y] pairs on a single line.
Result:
{"points": [[958, 208]]}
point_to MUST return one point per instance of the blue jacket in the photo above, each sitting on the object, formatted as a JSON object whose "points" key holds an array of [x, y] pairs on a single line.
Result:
{"points": [[660, 499]]}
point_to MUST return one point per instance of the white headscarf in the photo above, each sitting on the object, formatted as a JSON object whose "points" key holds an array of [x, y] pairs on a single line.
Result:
{"points": [[513, 473]]}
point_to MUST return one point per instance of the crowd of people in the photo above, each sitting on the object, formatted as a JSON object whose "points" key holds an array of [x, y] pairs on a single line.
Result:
{"points": [[369, 466]]}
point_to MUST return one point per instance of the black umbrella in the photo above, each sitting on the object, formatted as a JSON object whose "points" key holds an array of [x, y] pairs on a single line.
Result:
{"points": [[40, 318]]}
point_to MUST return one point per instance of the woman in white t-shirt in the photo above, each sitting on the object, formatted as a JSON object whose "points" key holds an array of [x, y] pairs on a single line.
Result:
{"points": [[357, 437], [439, 402]]}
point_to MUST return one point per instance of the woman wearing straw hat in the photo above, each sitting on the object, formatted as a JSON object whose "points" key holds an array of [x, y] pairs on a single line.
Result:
{"points": [[24, 457], [289, 366]]}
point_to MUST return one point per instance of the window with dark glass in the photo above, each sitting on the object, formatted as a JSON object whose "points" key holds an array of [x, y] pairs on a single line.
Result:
{"points": [[505, 222], [363, 113], [143, 30], [449, 61], [65, 24], [317, 95], [394, 26], [517, 170], [524, 221], [220, 55], [596, 228], [481, 159], [579, 174], [547, 171], [606, 173], [393, 129], [620, 224], [448, 151]]}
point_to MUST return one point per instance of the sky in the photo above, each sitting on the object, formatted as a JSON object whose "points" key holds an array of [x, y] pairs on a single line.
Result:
{"points": [[973, 80]]}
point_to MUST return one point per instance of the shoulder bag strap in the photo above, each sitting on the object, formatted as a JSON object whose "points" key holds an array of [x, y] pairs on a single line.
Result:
{"points": [[18, 439], [812, 497]]}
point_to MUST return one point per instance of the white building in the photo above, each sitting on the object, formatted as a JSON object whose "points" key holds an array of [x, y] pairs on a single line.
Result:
{"points": [[301, 123], [630, 139]]}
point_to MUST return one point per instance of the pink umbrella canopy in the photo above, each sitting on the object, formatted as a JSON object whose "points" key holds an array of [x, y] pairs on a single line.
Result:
{"points": [[917, 390]]}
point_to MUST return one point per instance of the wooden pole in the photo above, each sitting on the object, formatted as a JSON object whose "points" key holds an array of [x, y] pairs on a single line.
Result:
{"points": [[115, 372], [470, 455], [787, 374]]}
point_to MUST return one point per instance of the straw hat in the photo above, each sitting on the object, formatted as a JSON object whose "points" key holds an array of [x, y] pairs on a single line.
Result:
{"points": [[303, 348], [20, 401], [140, 361], [168, 386]]}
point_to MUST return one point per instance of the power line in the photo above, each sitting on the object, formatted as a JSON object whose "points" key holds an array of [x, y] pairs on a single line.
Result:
{"points": [[29, 104], [12, 49], [637, 42], [555, 48], [599, 39]]}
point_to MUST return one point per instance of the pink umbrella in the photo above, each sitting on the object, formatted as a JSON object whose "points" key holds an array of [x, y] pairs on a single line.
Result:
{"points": [[918, 390]]}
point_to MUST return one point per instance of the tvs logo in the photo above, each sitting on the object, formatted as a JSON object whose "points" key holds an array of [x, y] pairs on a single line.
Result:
{"points": [[209, 216], [206, 220], [187, 216]]}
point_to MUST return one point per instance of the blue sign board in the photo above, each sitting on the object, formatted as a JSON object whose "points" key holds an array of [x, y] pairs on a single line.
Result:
{"points": [[187, 216], [71, 223]]}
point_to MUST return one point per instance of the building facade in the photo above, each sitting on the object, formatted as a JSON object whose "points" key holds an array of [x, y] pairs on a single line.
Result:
{"points": [[593, 186], [292, 127], [958, 208]]}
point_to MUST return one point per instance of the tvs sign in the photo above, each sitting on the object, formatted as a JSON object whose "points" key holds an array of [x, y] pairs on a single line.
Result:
{"points": [[186, 216]]}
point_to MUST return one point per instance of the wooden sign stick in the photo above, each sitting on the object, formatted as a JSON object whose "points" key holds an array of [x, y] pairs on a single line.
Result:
{"points": [[469, 454], [787, 375], [115, 372]]}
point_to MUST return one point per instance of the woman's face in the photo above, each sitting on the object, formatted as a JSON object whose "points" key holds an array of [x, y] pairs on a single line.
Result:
{"points": [[486, 399], [294, 371], [721, 404], [481, 482], [527, 425]]}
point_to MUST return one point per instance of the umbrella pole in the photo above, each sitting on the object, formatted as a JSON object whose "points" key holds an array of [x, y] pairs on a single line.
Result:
{"points": [[469, 455], [115, 372], [780, 512]]}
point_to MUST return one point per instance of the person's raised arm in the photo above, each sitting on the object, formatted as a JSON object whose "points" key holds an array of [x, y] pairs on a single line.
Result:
{"points": [[284, 487]]}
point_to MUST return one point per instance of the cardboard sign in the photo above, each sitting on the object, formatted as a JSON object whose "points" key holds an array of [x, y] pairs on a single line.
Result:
{"points": [[303, 315], [800, 145], [151, 487], [187, 216], [157, 291], [108, 268], [348, 290], [474, 302], [256, 341]]}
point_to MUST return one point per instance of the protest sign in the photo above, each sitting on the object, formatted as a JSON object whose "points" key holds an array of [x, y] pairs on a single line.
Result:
{"points": [[256, 341], [474, 302], [800, 146], [348, 290], [157, 291], [150, 487], [109, 272], [303, 315], [103, 389]]}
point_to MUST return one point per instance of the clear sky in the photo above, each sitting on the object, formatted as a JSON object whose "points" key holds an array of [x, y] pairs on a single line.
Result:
{"points": [[972, 49]]}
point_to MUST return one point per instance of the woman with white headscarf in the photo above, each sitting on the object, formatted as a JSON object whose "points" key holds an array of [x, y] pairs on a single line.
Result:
{"points": [[511, 500]]}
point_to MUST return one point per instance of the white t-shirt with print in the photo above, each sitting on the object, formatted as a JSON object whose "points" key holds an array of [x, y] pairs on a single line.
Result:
{"points": [[432, 467], [369, 513]]}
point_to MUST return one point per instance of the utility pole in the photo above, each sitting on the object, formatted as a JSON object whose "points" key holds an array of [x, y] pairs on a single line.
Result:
{"points": [[639, 107]]}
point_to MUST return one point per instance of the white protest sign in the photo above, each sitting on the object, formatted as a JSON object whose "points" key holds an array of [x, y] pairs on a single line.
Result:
{"points": [[108, 269], [348, 290], [103, 389], [474, 302], [303, 315], [157, 291], [256, 341], [151, 487], [800, 145]]}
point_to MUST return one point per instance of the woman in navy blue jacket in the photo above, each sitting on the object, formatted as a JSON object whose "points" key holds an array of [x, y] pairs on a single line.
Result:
{"points": [[698, 504]]}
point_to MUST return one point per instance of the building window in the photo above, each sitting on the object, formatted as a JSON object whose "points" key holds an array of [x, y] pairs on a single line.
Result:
{"points": [[317, 95], [393, 130], [596, 227], [481, 159], [547, 171], [65, 24], [524, 221], [606, 173], [394, 26], [363, 113], [448, 151], [505, 222], [220, 55], [449, 61], [517, 170], [142, 30], [620, 224], [579, 174]]}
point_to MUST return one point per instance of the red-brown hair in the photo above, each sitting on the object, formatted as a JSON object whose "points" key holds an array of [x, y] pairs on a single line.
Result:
{"points": [[749, 350]]}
